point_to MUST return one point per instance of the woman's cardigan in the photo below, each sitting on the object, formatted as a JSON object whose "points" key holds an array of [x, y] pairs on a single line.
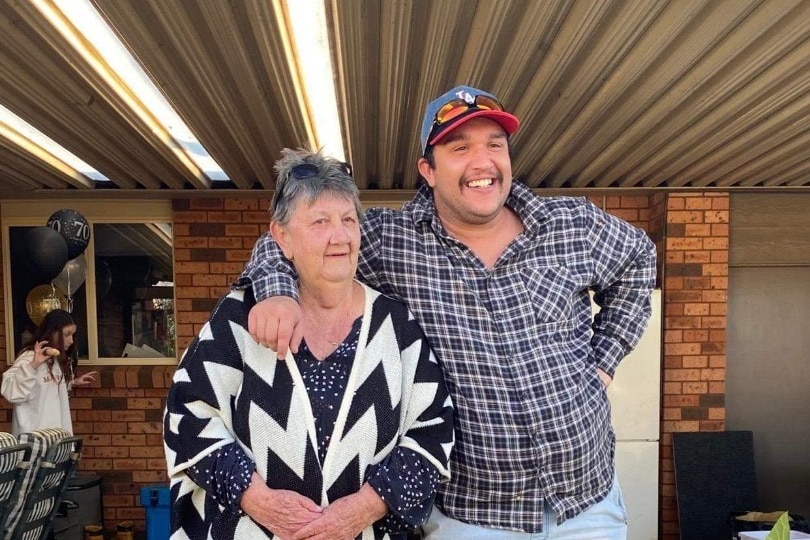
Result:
{"points": [[228, 389]]}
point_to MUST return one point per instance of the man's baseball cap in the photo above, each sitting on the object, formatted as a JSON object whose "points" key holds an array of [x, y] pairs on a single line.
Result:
{"points": [[462, 103]]}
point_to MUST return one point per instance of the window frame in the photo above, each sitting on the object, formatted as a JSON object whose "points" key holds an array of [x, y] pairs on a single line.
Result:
{"points": [[35, 213]]}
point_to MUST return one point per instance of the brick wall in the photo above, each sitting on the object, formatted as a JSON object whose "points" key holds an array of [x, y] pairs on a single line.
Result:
{"points": [[120, 422], [695, 288], [213, 239], [120, 417]]}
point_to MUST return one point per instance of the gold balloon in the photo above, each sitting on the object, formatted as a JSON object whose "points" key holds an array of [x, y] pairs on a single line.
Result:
{"points": [[43, 299]]}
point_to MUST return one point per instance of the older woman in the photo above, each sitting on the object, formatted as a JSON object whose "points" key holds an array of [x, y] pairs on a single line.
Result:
{"points": [[347, 438]]}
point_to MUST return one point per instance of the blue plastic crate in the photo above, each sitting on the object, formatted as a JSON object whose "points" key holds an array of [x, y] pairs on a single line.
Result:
{"points": [[155, 499]]}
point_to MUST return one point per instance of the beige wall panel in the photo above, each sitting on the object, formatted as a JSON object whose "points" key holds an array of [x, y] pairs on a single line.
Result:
{"points": [[770, 229]]}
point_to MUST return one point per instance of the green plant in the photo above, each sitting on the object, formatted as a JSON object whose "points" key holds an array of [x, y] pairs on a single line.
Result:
{"points": [[781, 529]]}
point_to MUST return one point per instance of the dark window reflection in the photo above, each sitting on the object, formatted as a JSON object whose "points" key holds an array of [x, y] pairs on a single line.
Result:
{"points": [[133, 287]]}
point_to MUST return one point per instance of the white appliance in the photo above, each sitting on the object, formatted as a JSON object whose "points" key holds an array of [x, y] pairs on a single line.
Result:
{"points": [[635, 398]]}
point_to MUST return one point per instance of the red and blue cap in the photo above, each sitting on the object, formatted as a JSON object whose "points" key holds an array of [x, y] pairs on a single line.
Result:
{"points": [[462, 103]]}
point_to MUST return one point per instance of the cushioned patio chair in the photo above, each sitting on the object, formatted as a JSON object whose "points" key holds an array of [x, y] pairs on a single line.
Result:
{"points": [[14, 458], [54, 456]]}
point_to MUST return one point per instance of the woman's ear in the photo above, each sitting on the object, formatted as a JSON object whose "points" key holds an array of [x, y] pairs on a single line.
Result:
{"points": [[282, 238]]}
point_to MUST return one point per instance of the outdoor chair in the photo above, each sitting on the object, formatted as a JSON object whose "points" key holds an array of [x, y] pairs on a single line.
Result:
{"points": [[14, 457], [54, 457]]}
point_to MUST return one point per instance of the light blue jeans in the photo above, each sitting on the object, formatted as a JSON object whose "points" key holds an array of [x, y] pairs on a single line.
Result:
{"points": [[606, 520]]}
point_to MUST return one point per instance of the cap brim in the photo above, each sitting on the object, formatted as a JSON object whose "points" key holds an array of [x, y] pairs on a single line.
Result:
{"points": [[507, 121]]}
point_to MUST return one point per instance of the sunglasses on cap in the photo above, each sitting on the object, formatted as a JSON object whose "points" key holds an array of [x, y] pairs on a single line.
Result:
{"points": [[305, 171], [456, 107]]}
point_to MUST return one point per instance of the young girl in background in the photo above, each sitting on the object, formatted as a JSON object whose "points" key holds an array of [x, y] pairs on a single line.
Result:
{"points": [[39, 381]]}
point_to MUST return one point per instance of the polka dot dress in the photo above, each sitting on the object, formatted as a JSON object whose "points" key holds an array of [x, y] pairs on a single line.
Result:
{"points": [[325, 381], [225, 474]]}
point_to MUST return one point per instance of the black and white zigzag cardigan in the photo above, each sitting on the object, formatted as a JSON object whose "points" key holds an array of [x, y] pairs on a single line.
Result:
{"points": [[228, 388]]}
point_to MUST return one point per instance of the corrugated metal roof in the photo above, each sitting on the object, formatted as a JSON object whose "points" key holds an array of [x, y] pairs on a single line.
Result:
{"points": [[611, 94]]}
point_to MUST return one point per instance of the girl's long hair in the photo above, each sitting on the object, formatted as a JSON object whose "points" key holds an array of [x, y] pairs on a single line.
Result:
{"points": [[50, 330]]}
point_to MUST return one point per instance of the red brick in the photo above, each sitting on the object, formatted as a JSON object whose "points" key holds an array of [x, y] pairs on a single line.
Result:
{"points": [[674, 336], [144, 403], [671, 413], [261, 217], [685, 217], [224, 217], [712, 425], [716, 216], [716, 361], [682, 348], [698, 230], [681, 401], [695, 388], [687, 243], [147, 452], [696, 309], [191, 242], [227, 242], [242, 229], [150, 477], [698, 204], [713, 374], [715, 269], [682, 375], [133, 464], [189, 217], [715, 243], [241, 204], [114, 501], [191, 267], [112, 452], [692, 257], [695, 335], [696, 361], [205, 204]]}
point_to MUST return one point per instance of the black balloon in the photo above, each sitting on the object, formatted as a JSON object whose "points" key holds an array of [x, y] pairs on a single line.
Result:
{"points": [[103, 279], [74, 229], [47, 252]]}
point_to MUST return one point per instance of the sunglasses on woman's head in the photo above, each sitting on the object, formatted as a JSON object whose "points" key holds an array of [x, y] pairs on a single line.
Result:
{"points": [[305, 171]]}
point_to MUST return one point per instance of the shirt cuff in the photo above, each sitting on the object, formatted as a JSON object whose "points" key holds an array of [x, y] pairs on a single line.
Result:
{"points": [[225, 475]]}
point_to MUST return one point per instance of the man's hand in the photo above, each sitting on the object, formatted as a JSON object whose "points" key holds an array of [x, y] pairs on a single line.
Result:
{"points": [[345, 518], [280, 511], [275, 323], [605, 378]]}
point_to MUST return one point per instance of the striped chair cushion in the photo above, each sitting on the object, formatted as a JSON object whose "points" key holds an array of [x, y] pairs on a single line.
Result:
{"points": [[40, 441], [12, 453]]}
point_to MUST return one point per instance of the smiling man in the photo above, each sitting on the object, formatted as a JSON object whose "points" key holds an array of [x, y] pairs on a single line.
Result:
{"points": [[499, 279]]}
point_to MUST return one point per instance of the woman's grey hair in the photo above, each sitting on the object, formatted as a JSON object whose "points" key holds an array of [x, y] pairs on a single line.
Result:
{"points": [[328, 176]]}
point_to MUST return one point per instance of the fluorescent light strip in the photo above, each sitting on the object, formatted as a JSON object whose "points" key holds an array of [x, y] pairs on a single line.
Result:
{"points": [[311, 41], [94, 28], [46, 148]]}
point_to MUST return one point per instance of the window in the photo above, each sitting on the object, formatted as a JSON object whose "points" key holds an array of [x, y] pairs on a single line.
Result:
{"points": [[120, 289]]}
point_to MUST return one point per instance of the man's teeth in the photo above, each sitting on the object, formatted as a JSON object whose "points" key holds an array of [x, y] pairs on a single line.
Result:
{"points": [[484, 182]]}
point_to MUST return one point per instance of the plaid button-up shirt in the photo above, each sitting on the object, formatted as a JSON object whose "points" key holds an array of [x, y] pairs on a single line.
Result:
{"points": [[517, 343]]}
